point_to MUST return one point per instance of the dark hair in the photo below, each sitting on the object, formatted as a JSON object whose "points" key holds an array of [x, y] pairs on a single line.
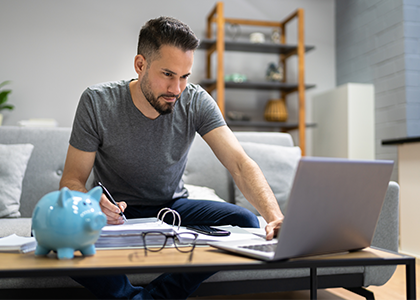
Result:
{"points": [[165, 31]]}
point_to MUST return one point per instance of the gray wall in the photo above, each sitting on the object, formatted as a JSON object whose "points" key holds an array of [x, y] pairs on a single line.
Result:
{"points": [[411, 16], [378, 42], [52, 50]]}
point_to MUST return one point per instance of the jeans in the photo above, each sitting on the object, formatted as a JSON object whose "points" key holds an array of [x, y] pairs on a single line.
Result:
{"points": [[170, 285]]}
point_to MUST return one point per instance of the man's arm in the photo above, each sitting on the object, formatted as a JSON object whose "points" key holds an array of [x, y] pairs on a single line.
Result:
{"points": [[76, 172], [77, 169], [247, 175]]}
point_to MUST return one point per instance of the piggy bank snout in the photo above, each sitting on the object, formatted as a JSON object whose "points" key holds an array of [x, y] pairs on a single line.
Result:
{"points": [[97, 222]]}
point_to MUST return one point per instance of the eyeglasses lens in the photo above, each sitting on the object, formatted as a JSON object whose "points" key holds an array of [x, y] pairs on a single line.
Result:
{"points": [[185, 242], [154, 241]]}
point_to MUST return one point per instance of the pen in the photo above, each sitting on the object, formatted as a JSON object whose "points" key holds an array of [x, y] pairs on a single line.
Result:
{"points": [[108, 195]]}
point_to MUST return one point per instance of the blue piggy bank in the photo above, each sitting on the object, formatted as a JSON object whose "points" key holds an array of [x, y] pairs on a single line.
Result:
{"points": [[66, 221]]}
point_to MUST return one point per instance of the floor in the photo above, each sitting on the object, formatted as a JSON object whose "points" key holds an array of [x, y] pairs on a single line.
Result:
{"points": [[394, 289]]}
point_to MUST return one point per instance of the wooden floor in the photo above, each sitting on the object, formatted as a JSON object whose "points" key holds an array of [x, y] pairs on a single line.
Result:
{"points": [[394, 289]]}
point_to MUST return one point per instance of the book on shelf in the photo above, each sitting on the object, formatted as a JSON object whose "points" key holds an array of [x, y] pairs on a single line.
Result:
{"points": [[17, 244]]}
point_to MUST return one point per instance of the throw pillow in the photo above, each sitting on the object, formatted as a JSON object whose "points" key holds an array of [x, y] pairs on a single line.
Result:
{"points": [[13, 162], [278, 164], [202, 193]]}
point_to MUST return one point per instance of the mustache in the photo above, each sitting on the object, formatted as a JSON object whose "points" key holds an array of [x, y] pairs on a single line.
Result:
{"points": [[170, 96]]}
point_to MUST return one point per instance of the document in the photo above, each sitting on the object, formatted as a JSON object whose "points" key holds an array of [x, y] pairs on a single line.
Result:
{"points": [[17, 244], [129, 234], [137, 226]]}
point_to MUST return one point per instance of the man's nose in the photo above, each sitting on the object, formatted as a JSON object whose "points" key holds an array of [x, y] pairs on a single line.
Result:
{"points": [[175, 87]]}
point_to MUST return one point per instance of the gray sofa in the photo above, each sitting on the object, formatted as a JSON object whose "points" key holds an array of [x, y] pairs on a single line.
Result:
{"points": [[43, 174]]}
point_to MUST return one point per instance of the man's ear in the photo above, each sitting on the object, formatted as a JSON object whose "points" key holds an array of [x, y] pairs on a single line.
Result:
{"points": [[140, 64]]}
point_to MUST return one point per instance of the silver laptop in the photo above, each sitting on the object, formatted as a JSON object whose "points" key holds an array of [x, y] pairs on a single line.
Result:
{"points": [[333, 206]]}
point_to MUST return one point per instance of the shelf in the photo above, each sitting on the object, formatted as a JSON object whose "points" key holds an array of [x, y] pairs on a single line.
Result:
{"points": [[257, 85], [285, 49], [283, 125], [215, 45]]}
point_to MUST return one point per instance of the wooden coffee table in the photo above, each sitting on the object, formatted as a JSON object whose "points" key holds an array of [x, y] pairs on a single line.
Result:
{"points": [[205, 259]]}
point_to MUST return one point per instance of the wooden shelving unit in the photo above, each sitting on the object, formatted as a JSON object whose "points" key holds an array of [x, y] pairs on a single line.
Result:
{"points": [[215, 42]]}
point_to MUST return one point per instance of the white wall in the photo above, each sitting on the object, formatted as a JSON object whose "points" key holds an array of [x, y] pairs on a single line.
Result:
{"points": [[52, 50], [345, 118]]}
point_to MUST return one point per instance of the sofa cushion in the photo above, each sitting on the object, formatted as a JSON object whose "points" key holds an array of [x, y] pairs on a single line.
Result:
{"points": [[202, 193], [13, 162], [278, 165], [46, 164], [204, 169]]}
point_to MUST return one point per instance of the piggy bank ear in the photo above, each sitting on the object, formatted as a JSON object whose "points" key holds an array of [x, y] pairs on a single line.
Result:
{"points": [[63, 196], [95, 193]]}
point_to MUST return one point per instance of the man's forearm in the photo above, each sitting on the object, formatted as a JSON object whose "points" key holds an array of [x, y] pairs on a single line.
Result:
{"points": [[252, 183], [73, 184]]}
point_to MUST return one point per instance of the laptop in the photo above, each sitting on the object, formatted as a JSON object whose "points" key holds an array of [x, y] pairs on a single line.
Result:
{"points": [[334, 206]]}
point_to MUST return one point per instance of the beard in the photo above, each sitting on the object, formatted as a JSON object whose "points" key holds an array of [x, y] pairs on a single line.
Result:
{"points": [[161, 107]]}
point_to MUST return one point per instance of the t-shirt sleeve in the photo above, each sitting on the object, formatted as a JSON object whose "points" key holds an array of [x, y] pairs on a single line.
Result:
{"points": [[85, 134], [208, 114]]}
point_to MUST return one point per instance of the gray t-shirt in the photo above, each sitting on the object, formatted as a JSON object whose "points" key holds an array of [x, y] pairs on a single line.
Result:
{"points": [[141, 161]]}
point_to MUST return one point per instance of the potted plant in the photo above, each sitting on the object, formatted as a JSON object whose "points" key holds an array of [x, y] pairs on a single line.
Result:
{"points": [[4, 94]]}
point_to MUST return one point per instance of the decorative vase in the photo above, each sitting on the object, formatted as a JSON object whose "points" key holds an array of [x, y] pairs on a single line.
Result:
{"points": [[276, 111], [274, 73]]}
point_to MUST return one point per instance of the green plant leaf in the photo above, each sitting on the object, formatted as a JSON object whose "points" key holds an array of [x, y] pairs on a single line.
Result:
{"points": [[9, 106], [4, 83], [3, 96]]}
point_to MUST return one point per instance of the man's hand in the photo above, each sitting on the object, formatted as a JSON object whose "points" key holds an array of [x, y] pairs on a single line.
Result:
{"points": [[111, 211], [272, 228]]}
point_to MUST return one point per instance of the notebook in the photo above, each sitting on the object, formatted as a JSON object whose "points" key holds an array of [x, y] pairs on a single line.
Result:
{"points": [[334, 205]]}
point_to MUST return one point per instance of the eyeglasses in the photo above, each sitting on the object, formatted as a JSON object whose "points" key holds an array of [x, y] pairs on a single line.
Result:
{"points": [[155, 241]]}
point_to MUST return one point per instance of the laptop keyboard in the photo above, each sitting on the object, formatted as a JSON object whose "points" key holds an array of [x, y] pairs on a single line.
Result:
{"points": [[261, 247]]}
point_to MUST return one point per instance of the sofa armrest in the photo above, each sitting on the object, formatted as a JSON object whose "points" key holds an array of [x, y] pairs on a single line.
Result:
{"points": [[387, 230], [19, 226], [386, 236]]}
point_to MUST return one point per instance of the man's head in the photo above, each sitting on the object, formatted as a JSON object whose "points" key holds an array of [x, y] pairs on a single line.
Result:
{"points": [[164, 61], [165, 31]]}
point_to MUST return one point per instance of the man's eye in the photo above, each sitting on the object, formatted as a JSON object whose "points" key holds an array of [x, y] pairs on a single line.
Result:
{"points": [[167, 74]]}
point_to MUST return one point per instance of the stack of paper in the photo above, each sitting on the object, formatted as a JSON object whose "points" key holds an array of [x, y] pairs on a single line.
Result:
{"points": [[129, 233], [17, 244]]}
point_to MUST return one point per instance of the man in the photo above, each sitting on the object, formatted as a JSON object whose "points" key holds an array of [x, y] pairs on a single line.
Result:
{"points": [[136, 136]]}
